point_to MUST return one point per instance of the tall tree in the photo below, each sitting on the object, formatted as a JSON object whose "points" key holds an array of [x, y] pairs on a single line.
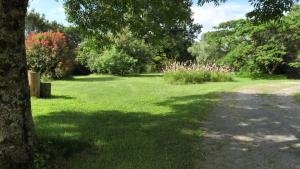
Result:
{"points": [[36, 22], [264, 10], [16, 125], [270, 47], [151, 18], [167, 25]]}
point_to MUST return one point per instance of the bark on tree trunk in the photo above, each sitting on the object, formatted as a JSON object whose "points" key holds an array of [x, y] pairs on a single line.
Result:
{"points": [[17, 134]]}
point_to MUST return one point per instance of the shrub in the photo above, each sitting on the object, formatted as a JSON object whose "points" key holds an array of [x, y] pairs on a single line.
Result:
{"points": [[294, 69], [144, 54], [112, 61], [195, 77], [136, 48], [188, 73], [48, 54], [189, 66]]}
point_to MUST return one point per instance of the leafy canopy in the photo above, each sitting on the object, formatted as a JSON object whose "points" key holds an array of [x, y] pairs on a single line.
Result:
{"points": [[150, 18], [264, 10], [256, 47], [166, 25], [36, 22], [146, 18]]}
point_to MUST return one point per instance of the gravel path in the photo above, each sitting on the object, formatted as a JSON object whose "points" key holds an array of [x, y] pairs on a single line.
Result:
{"points": [[250, 129]]}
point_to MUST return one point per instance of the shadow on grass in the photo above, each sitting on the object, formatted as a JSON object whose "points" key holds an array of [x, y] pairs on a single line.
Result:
{"points": [[249, 127], [146, 75], [53, 97], [263, 76], [125, 140], [93, 79]]}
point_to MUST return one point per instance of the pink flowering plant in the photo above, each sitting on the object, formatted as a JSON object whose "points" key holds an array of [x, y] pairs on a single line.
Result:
{"points": [[48, 53]]}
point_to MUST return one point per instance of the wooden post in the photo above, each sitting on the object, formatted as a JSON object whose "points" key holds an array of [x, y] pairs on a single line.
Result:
{"points": [[34, 83], [45, 90]]}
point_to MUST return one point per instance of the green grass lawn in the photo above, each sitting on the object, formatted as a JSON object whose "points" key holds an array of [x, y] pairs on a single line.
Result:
{"points": [[140, 122], [297, 97]]}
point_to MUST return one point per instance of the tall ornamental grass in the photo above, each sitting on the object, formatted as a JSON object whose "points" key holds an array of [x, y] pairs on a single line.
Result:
{"points": [[188, 73]]}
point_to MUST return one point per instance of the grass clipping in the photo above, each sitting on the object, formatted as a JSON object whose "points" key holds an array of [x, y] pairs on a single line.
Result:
{"points": [[186, 73]]}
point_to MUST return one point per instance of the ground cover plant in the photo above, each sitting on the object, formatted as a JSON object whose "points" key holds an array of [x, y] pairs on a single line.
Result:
{"points": [[190, 73], [104, 121]]}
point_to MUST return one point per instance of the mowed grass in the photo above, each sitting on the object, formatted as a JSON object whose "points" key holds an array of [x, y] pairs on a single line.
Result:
{"points": [[297, 97], [141, 122]]}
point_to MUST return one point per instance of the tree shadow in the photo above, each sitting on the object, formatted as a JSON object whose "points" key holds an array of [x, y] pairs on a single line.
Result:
{"points": [[264, 76], [250, 130], [53, 97], [146, 75], [116, 139], [124, 140], [93, 79]]}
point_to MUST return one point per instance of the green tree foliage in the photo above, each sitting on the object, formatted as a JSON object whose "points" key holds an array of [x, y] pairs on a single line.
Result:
{"points": [[123, 44], [264, 10], [202, 51], [36, 22], [87, 48], [137, 48], [166, 25], [112, 61], [148, 19], [72, 35], [256, 47]]}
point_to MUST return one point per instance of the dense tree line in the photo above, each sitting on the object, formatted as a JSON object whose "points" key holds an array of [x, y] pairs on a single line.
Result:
{"points": [[244, 45], [37, 23], [165, 28]]}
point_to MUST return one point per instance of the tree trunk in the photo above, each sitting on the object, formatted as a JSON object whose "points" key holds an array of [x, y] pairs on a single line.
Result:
{"points": [[17, 134]]}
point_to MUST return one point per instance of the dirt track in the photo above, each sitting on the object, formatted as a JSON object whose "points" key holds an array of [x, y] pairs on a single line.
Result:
{"points": [[257, 127]]}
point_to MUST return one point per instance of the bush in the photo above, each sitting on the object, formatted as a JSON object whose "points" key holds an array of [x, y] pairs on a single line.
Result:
{"points": [[49, 54], [189, 73], [112, 61], [126, 43], [136, 48], [195, 77]]}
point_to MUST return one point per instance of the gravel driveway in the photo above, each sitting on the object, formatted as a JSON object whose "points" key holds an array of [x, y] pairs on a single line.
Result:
{"points": [[257, 127]]}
